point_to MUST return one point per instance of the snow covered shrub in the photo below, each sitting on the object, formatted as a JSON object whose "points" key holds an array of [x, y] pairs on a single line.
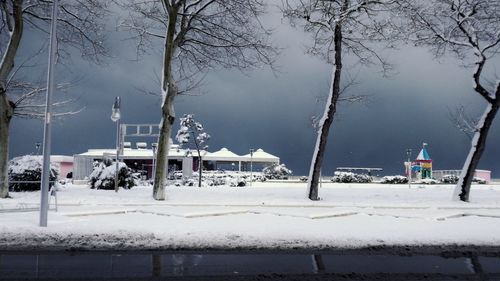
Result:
{"points": [[478, 180], [427, 181], [451, 179], [303, 178], [103, 175], [175, 175], [349, 177], [394, 180], [276, 171], [239, 182], [28, 168]]}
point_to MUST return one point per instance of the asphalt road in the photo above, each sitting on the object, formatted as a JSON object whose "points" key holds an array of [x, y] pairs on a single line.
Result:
{"points": [[367, 264]]}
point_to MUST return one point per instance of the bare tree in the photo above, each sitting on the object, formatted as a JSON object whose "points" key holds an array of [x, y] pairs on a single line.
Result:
{"points": [[78, 28], [469, 29], [463, 121], [339, 27], [198, 35]]}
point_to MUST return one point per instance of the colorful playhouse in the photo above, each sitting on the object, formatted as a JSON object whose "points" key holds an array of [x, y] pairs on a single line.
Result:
{"points": [[421, 168]]}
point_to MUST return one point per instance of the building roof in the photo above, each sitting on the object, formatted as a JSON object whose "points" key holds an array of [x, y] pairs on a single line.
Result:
{"points": [[61, 158], [132, 153], [223, 154], [423, 155]]}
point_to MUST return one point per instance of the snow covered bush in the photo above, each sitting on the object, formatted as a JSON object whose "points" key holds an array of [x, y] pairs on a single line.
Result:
{"points": [[349, 177], [218, 179], [239, 182], [276, 172], [25, 173], [451, 179], [103, 176], [394, 180], [478, 180], [214, 178], [427, 181]]}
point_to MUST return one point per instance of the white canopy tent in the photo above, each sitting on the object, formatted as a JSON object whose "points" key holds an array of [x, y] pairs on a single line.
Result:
{"points": [[260, 156], [224, 155]]}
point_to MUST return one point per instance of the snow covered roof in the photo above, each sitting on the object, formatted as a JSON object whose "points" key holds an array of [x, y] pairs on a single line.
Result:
{"points": [[61, 158], [261, 156], [132, 153], [222, 155], [423, 155]]}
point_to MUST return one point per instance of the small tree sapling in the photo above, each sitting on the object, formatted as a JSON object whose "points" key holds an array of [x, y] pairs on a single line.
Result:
{"points": [[194, 133]]}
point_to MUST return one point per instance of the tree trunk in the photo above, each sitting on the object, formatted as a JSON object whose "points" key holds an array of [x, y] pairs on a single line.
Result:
{"points": [[169, 92], [462, 190], [6, 108], [318, 264], [200, 161], [200, 168], [164, 144], [6, 111], [327, 119]]}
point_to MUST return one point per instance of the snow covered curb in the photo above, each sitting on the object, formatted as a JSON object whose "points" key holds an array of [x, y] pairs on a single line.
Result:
{"points": [[275, 217], [129, 241]]}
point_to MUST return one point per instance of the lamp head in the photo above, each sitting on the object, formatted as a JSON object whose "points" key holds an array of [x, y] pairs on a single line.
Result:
{"points": [[115, 113]]}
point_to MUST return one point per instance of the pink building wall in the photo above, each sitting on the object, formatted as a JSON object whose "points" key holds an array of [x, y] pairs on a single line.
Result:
{"points": [[65, 164], [65, 168], [483, 174]]}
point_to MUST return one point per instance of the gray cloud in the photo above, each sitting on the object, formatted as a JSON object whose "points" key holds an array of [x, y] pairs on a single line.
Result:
{"points": [[261, 110]]}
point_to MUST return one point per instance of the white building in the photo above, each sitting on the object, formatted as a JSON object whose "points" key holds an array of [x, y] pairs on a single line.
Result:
{"points": [[141, 158]]}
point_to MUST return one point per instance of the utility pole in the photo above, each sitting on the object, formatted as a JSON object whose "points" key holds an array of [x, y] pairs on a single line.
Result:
{"points": [[47, 131], [408, 153], [251, 166]]}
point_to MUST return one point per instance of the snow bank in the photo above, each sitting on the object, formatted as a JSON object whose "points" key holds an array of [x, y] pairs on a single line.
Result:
{"points": [[264, 216]]}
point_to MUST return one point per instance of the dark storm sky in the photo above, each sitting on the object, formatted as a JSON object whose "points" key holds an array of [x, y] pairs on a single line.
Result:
{"points": [[273, 111]]}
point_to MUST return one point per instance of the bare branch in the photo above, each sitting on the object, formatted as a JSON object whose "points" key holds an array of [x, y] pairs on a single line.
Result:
{"points": [[466, 28]]}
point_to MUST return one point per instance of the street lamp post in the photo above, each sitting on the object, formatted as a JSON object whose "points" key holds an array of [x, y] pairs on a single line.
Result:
{"points": [[408, 154], [47, 131], [37, 147], [153, 170], [251, 166], [115, 117]]}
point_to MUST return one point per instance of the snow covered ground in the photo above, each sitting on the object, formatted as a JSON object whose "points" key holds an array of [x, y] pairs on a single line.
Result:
{"points": [[264, 216]]}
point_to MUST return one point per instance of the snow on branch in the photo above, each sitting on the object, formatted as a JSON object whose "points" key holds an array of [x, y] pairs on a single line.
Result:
{"points": [[362, 22], [192, 131], [208, 33], [463, 27]]}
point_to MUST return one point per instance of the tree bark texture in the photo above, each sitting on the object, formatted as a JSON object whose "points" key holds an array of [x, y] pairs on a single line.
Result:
{"points": [[462, 190], [164, 144], [7, 62], [327, 119], [6, 111], [169, 91], [200, 169], [200, 161], [6, 107]]}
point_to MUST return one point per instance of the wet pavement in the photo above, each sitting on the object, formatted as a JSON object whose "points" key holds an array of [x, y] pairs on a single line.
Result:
{"points": [[246, 266]]}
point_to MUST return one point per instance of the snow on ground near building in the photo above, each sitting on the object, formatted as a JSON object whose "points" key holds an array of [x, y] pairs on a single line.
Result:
{"points": [[266, 215]]}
